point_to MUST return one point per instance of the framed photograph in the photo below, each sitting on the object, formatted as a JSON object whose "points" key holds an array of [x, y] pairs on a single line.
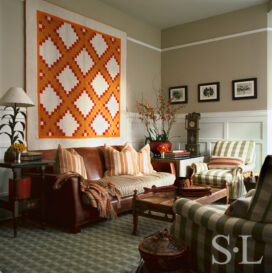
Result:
{"points": [[244, 89], [178, 94], [209, 92]]}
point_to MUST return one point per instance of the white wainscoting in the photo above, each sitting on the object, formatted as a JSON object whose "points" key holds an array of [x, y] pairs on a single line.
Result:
{"points": [[242, 125]]}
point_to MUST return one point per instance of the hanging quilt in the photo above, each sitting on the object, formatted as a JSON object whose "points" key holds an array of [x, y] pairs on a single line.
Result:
{"points": [[76, 79]]}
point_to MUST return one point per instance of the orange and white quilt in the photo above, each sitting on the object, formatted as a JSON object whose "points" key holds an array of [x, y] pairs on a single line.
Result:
{"points": [[76, 79]]}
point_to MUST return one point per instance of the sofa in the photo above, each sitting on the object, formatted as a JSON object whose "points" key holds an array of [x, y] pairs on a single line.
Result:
{"points": [[66, 207]]}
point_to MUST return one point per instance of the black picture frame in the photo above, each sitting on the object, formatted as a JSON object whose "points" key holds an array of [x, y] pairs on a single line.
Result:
{"points": [[178, 94], [209, 92], [244, 89]]}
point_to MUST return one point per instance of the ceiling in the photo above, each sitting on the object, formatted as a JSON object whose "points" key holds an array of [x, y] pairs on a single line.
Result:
{"points": [[168, 13]]}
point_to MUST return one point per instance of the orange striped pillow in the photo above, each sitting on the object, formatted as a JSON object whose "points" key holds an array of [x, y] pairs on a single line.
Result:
{"points": [[144, 160], [70, 160], [225, 162], [120, 163]]}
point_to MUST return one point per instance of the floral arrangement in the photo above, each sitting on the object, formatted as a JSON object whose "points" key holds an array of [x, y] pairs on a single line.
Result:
{"points": [[163, 113], [17, 147], [162, 148]]}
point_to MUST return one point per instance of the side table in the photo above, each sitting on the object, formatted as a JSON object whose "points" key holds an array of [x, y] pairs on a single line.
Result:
{"points": [[13, 204], [182, 165]]}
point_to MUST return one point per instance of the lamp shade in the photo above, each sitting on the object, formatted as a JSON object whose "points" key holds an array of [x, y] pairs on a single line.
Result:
{"points": [[16, 96]]}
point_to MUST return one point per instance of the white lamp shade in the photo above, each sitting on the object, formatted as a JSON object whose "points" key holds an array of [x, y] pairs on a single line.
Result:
{"points": [[16, 96]]}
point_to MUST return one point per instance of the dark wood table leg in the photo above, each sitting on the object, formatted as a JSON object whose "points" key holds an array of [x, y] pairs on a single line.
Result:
{"points": [[15, 206], [134, 212], [227, 196], [135, 223], [43, 197]]}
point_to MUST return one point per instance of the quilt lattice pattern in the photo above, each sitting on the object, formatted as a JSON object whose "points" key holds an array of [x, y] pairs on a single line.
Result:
{"points": [[78, 80]]}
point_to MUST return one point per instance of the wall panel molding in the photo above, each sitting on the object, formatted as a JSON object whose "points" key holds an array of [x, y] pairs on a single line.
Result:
{"points": [[214, 126]]}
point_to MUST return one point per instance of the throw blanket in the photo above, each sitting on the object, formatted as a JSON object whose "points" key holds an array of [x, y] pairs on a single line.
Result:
{"points": [[98, 193]]}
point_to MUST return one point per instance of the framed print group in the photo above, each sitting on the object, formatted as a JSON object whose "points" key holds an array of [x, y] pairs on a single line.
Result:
{"points": [[178, 94], [244, 89], [209, 92]]}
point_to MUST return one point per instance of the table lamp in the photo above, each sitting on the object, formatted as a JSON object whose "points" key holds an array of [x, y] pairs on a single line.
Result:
{"points": [[15, 98]]}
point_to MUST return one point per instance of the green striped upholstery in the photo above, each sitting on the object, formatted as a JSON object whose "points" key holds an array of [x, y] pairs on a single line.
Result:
{"points": [[260, 208], [197, 225], [244, 149], [219, 178], [234, 178], [199, 167], [214, 177]]}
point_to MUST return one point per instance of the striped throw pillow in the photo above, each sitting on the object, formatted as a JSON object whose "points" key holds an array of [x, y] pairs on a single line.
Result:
{"points": [[225, 163], [69, 160], [120, 163], [144, 160]]}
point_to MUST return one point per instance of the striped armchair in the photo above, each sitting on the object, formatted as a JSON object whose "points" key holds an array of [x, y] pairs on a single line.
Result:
{"points": [[199, 225], [205, 175]]}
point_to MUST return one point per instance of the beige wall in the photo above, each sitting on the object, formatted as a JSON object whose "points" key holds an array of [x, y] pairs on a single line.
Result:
{"points": [[11, 44], [144, 64], [213, 27], [223, 60], [111, 16], [143, 74]]}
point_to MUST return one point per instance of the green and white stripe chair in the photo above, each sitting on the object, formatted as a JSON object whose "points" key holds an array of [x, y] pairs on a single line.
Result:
{"points": [[199, 225], [244, 150]]}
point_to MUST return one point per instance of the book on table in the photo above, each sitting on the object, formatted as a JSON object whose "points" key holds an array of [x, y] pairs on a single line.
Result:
{"points": [[31, 156], [177, 157], [177, 153]]}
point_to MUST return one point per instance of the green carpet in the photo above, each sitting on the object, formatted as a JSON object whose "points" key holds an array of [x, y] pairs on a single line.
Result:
{"points": [[107, 246]]}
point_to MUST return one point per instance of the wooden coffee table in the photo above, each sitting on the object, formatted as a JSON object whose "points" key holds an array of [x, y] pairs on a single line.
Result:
{"points": [[162, 202]]}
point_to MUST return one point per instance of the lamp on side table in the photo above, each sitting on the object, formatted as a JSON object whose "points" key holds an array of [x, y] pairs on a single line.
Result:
{"points": [[15, 98]]}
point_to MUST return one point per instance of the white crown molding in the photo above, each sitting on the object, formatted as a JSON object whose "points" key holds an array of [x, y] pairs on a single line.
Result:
{"points": [[201, 42], [217, 39], [143, 44]]}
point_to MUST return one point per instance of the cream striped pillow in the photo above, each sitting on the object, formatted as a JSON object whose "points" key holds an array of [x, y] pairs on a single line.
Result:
{"points": [[70, 160], [144, 160], [120, 163]]}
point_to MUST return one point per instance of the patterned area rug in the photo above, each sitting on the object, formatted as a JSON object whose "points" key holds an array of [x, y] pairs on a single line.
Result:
{"points": [[107, 246]]}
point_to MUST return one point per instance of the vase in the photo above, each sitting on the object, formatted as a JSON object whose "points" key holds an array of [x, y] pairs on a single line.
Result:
{"points": [[18, 157], [10, 155], [155, 144]]}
